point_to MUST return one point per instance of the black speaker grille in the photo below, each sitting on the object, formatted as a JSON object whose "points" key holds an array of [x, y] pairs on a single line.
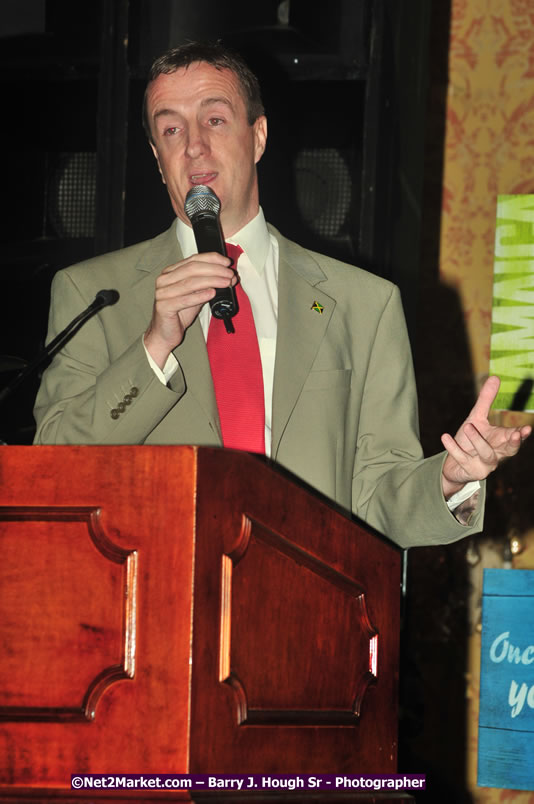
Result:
{"points": [[71, 202], [324, 190]]}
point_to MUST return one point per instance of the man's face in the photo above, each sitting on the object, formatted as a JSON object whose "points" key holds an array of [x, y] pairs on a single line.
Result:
{"points": [[201, 135]]}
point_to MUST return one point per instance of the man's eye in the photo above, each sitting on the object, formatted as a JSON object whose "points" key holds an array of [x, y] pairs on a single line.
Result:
{"points": [[215, 121], [170, 131]]}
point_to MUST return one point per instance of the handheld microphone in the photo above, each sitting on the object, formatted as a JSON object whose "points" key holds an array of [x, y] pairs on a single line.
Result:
{"points": [[202, 207]]}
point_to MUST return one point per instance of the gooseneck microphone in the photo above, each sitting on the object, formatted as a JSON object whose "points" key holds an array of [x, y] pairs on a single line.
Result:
{"points": [[202, 207], [103, 298]]}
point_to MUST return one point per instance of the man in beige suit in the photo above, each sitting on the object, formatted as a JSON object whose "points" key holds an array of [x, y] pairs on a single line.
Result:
{"points": [[340, 400]]}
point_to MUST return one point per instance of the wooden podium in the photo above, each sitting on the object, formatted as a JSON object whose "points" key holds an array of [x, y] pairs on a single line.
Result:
{"points": [[185, 610]]}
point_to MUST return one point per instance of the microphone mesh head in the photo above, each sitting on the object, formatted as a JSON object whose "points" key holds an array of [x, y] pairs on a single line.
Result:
{"points": [[201, 199]]}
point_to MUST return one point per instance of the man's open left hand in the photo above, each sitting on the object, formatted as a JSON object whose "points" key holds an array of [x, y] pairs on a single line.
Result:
{"points": [[478, 447]]}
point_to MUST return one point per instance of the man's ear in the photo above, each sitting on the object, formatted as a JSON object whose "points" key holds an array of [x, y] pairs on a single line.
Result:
{"points": [[260, 137], [156, 155]]}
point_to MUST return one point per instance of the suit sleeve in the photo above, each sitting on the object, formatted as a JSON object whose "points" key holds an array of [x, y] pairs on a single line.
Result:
{"points": [[394, 489], [89, 395]]}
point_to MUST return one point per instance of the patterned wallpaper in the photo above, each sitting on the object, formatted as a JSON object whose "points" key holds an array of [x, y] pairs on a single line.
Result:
{"points": [[489, 150], [489, 147]]}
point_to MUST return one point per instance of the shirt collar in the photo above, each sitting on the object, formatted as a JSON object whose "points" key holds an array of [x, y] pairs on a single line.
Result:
{"points": [[253, 238]]}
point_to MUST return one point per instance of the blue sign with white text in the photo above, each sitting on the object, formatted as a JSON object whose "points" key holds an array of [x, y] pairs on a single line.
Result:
{"points": [[506, 719]]}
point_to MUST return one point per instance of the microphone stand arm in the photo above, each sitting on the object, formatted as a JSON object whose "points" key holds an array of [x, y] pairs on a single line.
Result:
{"points": [[103, 299]]}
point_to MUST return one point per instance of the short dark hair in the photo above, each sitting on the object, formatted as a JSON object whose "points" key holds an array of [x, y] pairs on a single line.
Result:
{"points": [[216, 54]]}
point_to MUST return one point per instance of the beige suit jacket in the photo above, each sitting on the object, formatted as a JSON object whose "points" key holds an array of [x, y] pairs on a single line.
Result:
{"points": [[344, 401]]}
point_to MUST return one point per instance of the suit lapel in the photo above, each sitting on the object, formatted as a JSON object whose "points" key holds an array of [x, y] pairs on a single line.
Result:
{"points": [[192, 353], [304, 313], [162, 251], [193, 357]]}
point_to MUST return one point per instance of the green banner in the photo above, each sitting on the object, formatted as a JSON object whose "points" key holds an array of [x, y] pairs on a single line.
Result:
{"points": [[512, 325]]}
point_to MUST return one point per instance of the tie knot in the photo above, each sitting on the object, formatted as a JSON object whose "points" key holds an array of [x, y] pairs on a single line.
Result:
{"points": [[234, 252]]}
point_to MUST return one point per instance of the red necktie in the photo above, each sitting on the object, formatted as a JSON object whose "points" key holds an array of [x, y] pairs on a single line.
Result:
{"points": [[237, 375]]}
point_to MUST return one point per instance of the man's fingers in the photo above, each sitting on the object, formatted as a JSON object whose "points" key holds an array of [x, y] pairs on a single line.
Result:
{"points": [[190, 285], [454, 450], [195, 273], [478, 447], [486, 398], [515, 439], [172, 304], [525, 431], [490, 454], [484, 450], [206, 258], [481, 452]]}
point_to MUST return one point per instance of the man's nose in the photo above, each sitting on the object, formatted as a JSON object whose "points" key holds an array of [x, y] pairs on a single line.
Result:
{"points": [[197, 141]]}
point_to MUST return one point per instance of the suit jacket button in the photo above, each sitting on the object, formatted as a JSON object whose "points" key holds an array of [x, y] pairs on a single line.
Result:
{"points": [[114, 413], [134, 391], [121, 407], [127, 399]]}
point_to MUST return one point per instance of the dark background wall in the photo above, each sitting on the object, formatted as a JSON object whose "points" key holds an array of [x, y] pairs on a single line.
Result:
{"points": [[344, 90]]}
